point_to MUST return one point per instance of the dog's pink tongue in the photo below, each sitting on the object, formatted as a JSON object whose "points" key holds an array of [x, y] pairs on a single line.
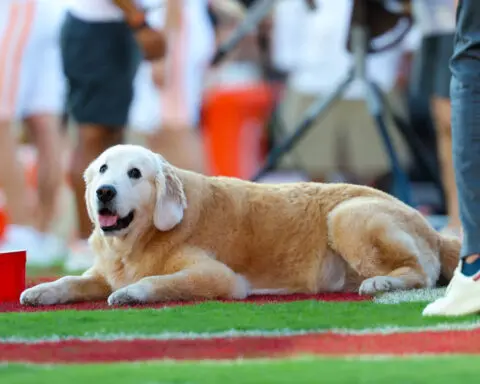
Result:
{"points": [[107, 220]]}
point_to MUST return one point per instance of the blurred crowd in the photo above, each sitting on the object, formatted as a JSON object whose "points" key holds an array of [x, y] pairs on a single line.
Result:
{"points": [[78, 76]]}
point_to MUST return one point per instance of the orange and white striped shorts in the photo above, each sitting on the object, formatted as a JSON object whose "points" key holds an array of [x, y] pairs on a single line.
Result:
{"points": [[31, 75]]}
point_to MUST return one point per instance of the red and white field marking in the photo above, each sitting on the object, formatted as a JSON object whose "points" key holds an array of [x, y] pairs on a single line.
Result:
{"points": [[417, 341], [460, 338]]}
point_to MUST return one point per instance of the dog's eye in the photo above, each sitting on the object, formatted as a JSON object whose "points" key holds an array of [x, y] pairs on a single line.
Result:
{"points": [[103, 168], [134, 173]]}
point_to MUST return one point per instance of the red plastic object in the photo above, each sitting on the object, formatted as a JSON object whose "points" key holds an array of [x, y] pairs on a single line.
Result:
{"points": [[3, 223], [234, 129], [12, 275]]}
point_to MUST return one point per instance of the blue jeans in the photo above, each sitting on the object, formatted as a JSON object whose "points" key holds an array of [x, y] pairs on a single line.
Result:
{"points": [[465, 101]]}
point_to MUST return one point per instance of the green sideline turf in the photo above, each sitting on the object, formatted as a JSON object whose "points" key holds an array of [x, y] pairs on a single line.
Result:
{"points": [[435, 370], [217, 317], [56, 270]]}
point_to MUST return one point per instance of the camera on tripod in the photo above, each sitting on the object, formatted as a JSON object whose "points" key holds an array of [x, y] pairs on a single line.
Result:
{"points": [[380, 18]]}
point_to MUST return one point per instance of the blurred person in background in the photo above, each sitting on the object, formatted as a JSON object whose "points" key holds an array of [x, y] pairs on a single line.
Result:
{"points": [[168, 92], [436, 22], [312, 48], [32, 92], [102, 44]]}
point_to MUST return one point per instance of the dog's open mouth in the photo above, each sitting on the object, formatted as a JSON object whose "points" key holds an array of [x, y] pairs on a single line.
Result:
{"points": [[109, 221]]}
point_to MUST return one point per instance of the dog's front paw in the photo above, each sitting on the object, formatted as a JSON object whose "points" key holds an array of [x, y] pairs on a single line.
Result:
{"points": [[42, 294], [132, 294]]}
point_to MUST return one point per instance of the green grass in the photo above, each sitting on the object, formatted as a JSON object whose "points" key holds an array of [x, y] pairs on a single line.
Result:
{"points": [[437, 370], [217, 317], [53, 271]]}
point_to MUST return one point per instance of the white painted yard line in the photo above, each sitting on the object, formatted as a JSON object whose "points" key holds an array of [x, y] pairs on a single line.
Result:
{"points": [[410, 296], [387, 330], [377, 358]]}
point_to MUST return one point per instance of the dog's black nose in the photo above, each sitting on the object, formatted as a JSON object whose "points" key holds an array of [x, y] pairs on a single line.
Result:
{"points": [[106, 193]]}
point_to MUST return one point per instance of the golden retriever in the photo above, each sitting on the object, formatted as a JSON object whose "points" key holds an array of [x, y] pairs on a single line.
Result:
{"points": [[161, 233]]}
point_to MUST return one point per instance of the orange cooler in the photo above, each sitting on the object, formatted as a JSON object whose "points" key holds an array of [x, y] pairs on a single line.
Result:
{"points": [[234, 119]]}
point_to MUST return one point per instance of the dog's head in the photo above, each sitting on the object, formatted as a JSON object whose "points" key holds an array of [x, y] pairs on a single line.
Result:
{"points": [[128, 187]]}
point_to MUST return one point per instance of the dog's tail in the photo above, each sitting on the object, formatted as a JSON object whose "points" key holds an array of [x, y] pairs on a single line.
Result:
{"points": [[449, 254]]}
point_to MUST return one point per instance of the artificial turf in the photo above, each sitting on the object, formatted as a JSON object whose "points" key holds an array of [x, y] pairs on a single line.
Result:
{"points": [[421, 370], [219, 317]]}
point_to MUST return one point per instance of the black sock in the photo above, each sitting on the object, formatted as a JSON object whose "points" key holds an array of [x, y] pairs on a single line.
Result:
{"points": [[470, 269]]}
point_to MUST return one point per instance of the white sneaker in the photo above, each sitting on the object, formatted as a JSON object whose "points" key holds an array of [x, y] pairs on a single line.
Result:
{"points": [[43, 250], [80, 258], [461, 298]]}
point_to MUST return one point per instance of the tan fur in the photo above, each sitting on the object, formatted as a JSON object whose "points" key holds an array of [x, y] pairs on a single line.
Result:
{"points": [[449, 250], [237, 238]]}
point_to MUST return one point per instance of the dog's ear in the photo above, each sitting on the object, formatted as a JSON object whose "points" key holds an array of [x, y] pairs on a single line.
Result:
{"points": [[170, 197], [89, 173], [88, 177]]}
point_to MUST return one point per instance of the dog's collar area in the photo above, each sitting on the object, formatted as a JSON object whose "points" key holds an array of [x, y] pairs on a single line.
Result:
{"points": [[121, 223]]}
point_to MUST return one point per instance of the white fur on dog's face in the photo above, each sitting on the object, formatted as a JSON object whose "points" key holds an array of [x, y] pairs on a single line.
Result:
{"points": [[142, 182]]}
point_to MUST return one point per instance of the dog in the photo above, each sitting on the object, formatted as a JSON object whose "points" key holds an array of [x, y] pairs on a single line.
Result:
{"points": [[161, 233]]}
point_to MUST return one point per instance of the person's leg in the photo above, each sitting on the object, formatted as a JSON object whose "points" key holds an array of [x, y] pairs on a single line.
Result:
{"points": [[442, 116], [466, 157], [43, 106], [12, 178], [181, 145], [177, 139], [16, 20], [145, 111], [45, 132], [23, 60], [92, 141], [441, 111], [100, 60], [179, 77], [463, 295]]}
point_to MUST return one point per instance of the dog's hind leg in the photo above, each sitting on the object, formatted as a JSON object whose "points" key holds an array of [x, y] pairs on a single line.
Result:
{"points": [[375, 241], [399, 279]]}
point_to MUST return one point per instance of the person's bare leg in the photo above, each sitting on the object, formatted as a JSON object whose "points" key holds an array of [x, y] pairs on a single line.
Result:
{"points": [[12, 178], [45, 131], [177, 140], [442, 115], [92, 141], [180, 145]]}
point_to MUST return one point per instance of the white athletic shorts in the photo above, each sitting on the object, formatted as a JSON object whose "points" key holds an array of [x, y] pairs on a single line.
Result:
{"points": [[181, 97], [31, 75]]}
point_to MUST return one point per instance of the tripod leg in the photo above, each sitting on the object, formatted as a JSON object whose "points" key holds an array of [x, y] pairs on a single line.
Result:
{"points": [[313, 113], [417, 148], [277, 129], [401, 185]]}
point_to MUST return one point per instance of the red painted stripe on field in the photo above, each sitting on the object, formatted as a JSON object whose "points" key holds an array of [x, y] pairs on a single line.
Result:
{"points": [[264, 299], [75, 351]]}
